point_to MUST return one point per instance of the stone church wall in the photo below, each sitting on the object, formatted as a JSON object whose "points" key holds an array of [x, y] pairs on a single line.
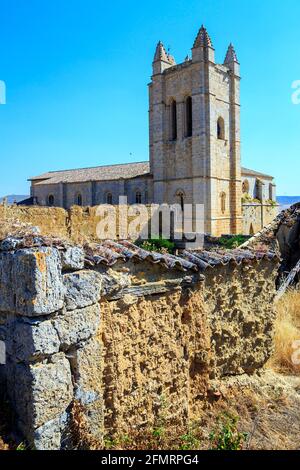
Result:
{"points": [[257, 216], [93, 193]]}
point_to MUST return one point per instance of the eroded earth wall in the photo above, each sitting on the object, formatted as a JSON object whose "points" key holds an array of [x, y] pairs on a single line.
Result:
{"points": [[131, 344]]}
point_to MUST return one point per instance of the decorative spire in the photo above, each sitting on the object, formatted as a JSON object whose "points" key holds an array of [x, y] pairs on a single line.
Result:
{"points": [[230, 55], [202, 39], [161, 54]]}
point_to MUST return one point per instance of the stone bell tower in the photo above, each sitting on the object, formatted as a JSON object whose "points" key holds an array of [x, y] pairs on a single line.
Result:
{"points": [[195, 133]]}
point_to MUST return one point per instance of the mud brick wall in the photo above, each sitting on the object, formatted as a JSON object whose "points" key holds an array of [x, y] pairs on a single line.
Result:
{"points": [[50, 220], [131, 344], [241, 315], [78, 224], [156, 358]]}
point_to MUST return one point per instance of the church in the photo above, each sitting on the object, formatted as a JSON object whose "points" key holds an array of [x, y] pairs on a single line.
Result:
{"points": [[194, 150]]}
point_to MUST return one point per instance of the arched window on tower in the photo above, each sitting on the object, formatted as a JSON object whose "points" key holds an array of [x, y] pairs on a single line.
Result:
{"points": [[138, 197], [173, 120], [180, 198], [109, 199], [221, 128], [223, 202], [189, 116], [51, 200], [78, 199]]}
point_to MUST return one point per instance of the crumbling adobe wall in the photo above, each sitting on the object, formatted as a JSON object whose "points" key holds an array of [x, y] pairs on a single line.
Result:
{"points": [[78, 224], [133, 344], [241, 316], [156, 359], [50, 220]]}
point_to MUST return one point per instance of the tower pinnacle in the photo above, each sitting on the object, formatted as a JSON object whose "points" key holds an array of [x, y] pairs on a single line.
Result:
{"points": [[202, 39], [162, 60], [230, 55], [160, 53]]}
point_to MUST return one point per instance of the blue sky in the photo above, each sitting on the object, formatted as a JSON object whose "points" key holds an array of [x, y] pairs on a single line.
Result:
{"points": [[77, 71]]}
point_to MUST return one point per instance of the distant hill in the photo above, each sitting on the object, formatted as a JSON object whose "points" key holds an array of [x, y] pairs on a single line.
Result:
{"points": [[287, 201], [13, 197]]}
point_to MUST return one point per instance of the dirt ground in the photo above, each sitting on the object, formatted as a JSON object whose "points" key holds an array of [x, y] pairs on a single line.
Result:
{"points": [[267, 406]]}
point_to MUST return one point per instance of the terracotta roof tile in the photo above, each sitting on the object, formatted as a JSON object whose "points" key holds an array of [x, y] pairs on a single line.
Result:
{"points": [[248, 172], [99, 173], [109, 173]]}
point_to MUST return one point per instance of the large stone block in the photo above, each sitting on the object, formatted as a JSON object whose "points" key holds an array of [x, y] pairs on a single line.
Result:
{"points": [[36, 282], [50, 435], [31, 339], [87, 365], [82, 289], [6, 283], [72, 259], [77, 325], [40, 393]]}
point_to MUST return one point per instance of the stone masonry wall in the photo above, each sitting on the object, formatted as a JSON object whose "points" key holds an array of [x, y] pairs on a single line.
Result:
{"points": [[128, 343], [257, 216]]}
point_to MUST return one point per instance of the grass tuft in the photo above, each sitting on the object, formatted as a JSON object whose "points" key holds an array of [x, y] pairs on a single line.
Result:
{"points": [[287, 334]]}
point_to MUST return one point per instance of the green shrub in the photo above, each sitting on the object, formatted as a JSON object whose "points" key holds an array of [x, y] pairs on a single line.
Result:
{"points": [[246, 198], [232, 242], [157, 244], [227, 436], [271, 202], [189, 441]]}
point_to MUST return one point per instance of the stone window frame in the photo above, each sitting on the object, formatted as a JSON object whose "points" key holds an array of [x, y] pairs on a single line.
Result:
{"points": [[173, 119], [50, 200], [223, 198], [138, 196], [78, 199], [188, 116], [180, 194], [221, 128], [108, 198]]}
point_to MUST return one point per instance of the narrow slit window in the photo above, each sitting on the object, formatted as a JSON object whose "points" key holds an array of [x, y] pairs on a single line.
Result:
{"points": [[78, 200], [189, 116], [138, 197], [173, 120], [221, 128], [51, 200], [223, 203]]}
